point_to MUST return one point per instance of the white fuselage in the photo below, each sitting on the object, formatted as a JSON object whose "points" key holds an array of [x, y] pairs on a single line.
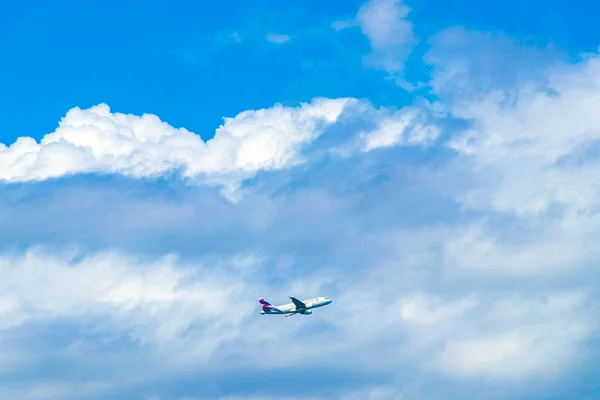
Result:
{"points": [[291, 308]]}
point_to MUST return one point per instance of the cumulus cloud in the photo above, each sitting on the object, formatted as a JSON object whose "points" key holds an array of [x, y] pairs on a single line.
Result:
{"points": [[201, 316], [500, 338], [96, 140], [519, 338], [114, 309], [166, 316], [527, 129], [177, 314], [408, 126], [41, 285], [475, 267]]}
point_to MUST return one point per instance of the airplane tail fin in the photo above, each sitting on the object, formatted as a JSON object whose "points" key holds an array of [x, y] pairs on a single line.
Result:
{"points": [[266, 306], [264, 302]]}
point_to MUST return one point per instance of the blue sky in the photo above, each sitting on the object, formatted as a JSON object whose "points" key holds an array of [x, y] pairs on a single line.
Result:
{"points": [[180, 61], [428, 165]]}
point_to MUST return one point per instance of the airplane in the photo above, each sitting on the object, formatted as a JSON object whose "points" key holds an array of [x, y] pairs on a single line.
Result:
{"points": [[295, 307]]}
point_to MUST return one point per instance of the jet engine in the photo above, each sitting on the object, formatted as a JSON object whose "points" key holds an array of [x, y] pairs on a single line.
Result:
{"points": [[307, 312]]}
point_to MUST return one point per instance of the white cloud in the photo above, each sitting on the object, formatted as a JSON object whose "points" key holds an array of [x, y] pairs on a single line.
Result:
{"points": [[476, 300], [53, 390], [156, 301], [499, 338], [496, 337], [201, 314], [278, 38], [176, 312], [530, 154], [519, 339], [181, 310], [422, 311], [384, 22], [408, 126], [96, 140], [389, 31], [553, 251], [371, 393], [472, 64]]}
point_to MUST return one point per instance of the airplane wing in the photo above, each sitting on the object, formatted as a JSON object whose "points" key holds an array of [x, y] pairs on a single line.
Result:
{"points": [[298, 303]]}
